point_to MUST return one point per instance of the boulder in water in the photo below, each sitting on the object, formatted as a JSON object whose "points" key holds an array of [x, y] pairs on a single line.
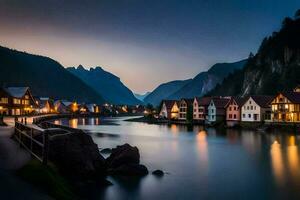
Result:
{"points": [[77, 156]]}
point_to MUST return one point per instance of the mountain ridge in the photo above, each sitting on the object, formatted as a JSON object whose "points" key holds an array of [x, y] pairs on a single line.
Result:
{"points": [[106, 84], [45, 76]]}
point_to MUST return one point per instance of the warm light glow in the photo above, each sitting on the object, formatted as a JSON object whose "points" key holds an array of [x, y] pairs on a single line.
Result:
{"points": [[293, 157], [277, 162], [202, 146]]}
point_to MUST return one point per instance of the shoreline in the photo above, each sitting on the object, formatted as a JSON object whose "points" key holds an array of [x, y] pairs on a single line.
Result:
{"points": [[258, 126]]}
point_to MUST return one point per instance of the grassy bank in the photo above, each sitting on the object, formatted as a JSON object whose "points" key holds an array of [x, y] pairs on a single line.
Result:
{"points": [[48, 179]]}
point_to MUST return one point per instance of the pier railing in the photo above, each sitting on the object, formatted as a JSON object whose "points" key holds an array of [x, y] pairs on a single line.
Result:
{"points": [[33, 139]]}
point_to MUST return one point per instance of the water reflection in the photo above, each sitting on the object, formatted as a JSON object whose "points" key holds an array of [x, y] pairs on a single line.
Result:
{"points": [[73, 123], [293, 158], [277, 162], [201, 139], [266, 163]]}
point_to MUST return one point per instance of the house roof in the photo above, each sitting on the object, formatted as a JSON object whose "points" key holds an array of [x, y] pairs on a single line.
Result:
{"points": [[294, 97], [169, 103], [17, 92], [204, 101], [220, 102], [262, 100], [240, 100], [188, 101]]}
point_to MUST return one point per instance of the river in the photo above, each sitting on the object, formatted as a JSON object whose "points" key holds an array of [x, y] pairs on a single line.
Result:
{"points": [[201, 163]]}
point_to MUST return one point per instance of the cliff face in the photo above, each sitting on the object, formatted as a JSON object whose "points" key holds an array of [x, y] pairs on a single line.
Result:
{"points": [[275, 67]]}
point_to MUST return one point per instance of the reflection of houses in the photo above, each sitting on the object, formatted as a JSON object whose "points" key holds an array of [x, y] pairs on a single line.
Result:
{"points": [[200, 106], [16, 101], [185, 106], [256, 109], [286, 106], [217, 109], [45, 105], [169, 109], [233, 110]]}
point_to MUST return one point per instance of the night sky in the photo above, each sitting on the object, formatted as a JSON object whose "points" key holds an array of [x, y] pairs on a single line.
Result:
{"points": [[145, 43]]}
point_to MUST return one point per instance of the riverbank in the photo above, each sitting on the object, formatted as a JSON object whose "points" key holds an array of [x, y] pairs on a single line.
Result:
{"points": [[75, 162], [259, 126]]}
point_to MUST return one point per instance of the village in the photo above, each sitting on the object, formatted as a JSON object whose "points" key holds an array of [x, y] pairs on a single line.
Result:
{"points": [[281, 109], [19, 101]]}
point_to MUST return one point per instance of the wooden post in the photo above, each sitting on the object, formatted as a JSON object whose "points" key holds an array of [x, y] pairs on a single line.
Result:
{"points": [[45, 147]]}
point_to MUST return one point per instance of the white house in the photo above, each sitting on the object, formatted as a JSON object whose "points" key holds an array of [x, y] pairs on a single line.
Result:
{"points": [[256, 109], [217, 109]]}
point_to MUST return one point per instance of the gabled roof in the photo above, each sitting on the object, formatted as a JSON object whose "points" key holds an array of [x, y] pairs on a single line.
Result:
{"points": [[262, 100], [220, 102], [169, 103], [188, 101], [203, 101], [294, 97], [17, 92], [240, 100]]}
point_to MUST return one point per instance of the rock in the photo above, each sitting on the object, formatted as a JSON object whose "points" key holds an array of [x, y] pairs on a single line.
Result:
{"points": [[129, 170], [77, 156], [122, 155], [158, 173], [125, 160], [106, 151]]}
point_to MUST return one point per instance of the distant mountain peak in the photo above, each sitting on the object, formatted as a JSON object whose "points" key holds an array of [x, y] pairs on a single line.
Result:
{"points": [[106, 84], [80, 67]]}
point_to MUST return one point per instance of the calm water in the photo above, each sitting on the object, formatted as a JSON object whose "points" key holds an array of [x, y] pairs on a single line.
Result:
{"points": [[202, 163]]}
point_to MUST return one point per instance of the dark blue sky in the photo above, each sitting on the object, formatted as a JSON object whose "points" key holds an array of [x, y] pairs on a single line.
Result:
{"points": [[143, 42]]}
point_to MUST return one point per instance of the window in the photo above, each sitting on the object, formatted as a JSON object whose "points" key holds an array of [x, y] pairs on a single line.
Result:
{"points": [[234, 116], [229, 108], [249, 102], [251, 107], [249, 115], [230, 116], [254, 107], [244, 115], [247, 107], [4, 100], [17, 101]]}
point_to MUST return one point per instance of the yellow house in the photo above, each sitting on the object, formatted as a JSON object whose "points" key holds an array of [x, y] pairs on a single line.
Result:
{"points": [[286, 106]]}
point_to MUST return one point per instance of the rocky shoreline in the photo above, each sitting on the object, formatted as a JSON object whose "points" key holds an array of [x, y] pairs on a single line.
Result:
{"points": [[79, 161]]}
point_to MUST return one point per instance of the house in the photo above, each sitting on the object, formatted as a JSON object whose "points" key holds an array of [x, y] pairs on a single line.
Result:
{"points": [[256, 109], [217, 109], [93, 108], [185, 106], [286, 106], [45, 105], [83, 109], [233, 110], [169, 109], [200, 106], [62, 106], [16, 101]]}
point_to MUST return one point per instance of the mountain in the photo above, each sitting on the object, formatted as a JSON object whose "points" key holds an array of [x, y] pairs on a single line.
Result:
{"points": [[45, 77], [164, 90], [275, 67], [141, 97], [106, 84], [206, 81]]}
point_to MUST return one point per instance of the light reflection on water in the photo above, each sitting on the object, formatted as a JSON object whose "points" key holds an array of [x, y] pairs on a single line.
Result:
{"points": [[204, 163]]}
